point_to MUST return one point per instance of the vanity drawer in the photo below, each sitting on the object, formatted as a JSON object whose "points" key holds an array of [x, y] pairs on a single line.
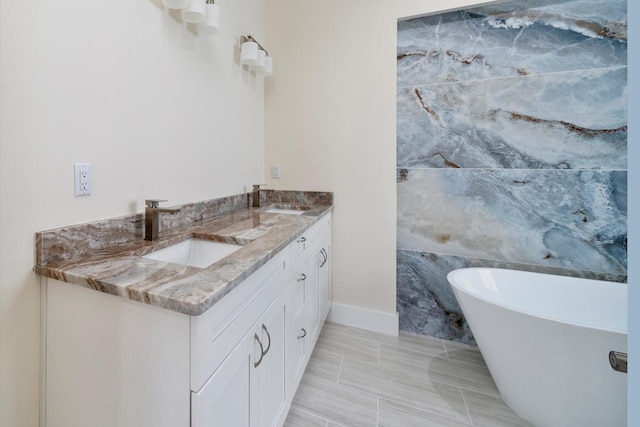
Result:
{"points": [[222, 327], [299, 249]]}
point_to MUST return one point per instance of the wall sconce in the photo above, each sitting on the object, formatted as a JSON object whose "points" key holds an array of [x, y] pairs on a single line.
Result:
{"points": [[255, 56], [203, 12], [175, 4], [268, 66], [262, 59], [211, 23], [195, 11]]}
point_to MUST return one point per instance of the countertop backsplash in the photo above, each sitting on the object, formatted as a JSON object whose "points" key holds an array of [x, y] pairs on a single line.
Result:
{"points": [[107, 255]]}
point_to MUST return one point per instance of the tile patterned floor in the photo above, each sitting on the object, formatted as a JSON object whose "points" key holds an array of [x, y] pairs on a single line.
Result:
{"points": [[360, 378]]}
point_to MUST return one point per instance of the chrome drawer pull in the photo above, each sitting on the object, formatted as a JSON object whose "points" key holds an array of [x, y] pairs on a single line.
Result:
{"points": [[264, 328], [304, 334], [301, 240], [302, 277], [256, 364], [326, 257]]}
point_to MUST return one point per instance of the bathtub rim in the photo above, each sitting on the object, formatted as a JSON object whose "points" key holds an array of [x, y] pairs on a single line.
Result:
{"points": [[532, 313]]}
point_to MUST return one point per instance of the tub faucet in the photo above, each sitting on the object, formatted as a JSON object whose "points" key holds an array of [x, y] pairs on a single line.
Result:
{"points": [[151, 212]]}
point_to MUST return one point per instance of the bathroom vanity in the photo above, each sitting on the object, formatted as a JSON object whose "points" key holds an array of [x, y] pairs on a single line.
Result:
{"points": [[166, 344]]}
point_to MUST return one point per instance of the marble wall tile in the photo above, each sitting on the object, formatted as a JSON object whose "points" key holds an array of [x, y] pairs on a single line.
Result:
{"points": [[512, 39], [511, 148], [426, 303], [555, 218], [572, 120]]}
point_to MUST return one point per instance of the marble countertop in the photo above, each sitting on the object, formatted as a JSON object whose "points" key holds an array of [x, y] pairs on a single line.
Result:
{"points": [[118, 268]]}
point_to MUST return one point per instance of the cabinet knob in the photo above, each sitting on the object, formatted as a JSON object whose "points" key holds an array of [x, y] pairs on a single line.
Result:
{"points": [[304, 334], [302, 277]]}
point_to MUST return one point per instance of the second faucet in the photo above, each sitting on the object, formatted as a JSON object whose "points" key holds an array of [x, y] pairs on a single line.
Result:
{"points": [[151, 212]]}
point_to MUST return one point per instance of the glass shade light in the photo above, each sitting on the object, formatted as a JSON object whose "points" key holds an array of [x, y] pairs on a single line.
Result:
{"points": [[268, 66], [175, 4], [249, 53], [195, 11], [211, 24], [260, 61]]}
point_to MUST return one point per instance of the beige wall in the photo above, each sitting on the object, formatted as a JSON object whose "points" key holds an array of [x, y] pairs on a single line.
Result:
{"points": [[159, 112], [331, 124]]}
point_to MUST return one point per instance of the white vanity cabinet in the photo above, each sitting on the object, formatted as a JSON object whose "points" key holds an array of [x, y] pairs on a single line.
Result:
{"points": [[308, 290], [244, 387], [112, 362], [248, 389]]}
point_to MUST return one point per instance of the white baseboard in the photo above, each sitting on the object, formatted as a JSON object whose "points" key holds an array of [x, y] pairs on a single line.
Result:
{"points": [[363, 318]]}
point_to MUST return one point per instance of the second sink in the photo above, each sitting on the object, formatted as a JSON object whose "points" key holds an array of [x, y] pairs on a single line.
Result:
{"points": [[194, 252], [286, 209]]}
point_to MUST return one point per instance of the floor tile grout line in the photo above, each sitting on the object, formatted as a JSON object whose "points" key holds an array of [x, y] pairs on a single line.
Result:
{"points": [[349, 331], [365, 340], [409, 404], [322, 350], [451, 383], [446, 351], [432, 340], [399, 337], [483, 393], [475, 365], [342, 356], [313, 415], [334, 332], [450, 354], [413, 350], [466, 405], [423, 409]]}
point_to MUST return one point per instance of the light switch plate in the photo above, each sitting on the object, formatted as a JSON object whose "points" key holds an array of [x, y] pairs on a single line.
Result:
{"points": [[82, 179]]}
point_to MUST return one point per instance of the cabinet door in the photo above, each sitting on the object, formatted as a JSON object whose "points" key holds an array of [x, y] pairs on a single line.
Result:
{"points": [[271, 366], [313, 309], [297, 350], [324, 278], [229, 395], [296, 329]]}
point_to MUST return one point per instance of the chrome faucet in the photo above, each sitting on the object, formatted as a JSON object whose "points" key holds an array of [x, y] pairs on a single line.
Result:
{"points": [[151, 212], [256, 194]]}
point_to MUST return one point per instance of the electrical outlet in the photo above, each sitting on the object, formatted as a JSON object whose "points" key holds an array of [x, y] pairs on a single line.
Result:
{"points": [[82, 179], [275, 171]]}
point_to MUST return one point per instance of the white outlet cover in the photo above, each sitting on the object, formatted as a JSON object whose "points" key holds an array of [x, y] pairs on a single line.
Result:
{"points": [[82, 179], [275, 171]]}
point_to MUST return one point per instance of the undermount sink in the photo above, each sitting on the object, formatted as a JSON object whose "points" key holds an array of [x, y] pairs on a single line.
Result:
{"points": [[287, 209], [194, 252]]}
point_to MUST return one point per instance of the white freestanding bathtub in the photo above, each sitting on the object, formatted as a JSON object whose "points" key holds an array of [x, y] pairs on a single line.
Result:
{"points": [[546, 341]]}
